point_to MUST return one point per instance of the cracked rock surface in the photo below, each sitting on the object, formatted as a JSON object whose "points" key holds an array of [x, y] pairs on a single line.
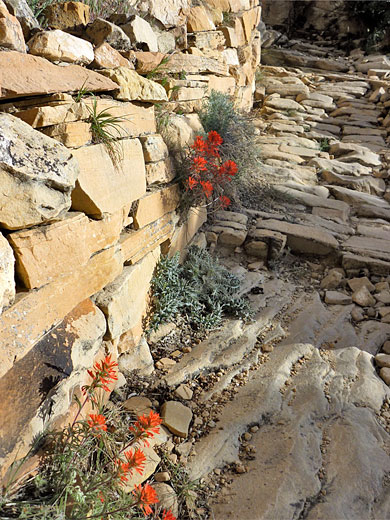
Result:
{"points": [[321, 452]]}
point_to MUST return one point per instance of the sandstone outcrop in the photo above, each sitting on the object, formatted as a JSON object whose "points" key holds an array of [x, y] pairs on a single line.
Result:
{"points": [[34, 189]]}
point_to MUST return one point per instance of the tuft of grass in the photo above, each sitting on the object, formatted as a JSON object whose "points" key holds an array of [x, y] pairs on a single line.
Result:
{"points": [[154, 72], [83, 91], [201, 290], [106, 128]]}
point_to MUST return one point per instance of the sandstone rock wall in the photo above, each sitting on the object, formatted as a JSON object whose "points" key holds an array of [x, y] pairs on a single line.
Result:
{"points": [[83, 222]]}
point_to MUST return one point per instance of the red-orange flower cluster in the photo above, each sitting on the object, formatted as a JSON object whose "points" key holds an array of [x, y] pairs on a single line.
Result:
{"points": [[97, 422], [168, 515], [207, 175], [146, 426], [102, 375], [134, 461], [146, 496]]}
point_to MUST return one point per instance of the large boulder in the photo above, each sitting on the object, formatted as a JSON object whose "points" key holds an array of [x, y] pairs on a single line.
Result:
{"points": [[26, 75], [103, 31], [133, 87], [23, 13], [141, 34], [11, 34], [60, 46], [37, 175]]}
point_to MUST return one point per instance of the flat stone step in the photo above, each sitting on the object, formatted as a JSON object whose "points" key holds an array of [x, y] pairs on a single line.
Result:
{"points": [[302, 239]]}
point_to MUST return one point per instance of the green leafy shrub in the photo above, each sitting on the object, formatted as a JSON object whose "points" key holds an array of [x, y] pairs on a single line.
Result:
{"points": [[324, 145], [236, 130], [201, 290]]}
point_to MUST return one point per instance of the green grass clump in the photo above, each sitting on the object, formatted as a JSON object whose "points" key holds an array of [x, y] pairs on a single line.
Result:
{"points": [[106, 129], [201, 290]]}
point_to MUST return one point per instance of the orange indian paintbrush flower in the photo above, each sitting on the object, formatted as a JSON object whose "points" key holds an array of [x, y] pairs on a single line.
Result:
{"points": [[146, 496], [97, 422], [168, 515], [135, 460], [146, 426], [102, 375]]}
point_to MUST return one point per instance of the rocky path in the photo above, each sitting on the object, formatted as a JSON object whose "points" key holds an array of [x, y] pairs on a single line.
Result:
{"points": [[300, 417], [287, 417]]}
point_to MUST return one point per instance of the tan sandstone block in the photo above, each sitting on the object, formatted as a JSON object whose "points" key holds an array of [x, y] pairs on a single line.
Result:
{"points": [[147, 61], [198, 20], [58, 45], [67, 15], [104, 187], [239, 29], [155, 204], [18, 77], [230, 35], [45, 253], [11, 33], [63, 355], [224, 5], [136, 244], [159, 172], [133, 87], [154, 148], [249, 20], [124, 300], [39, 117], [187, 94], [72, 135], [225, 85], [106, 57], [136, 119], [23, 324], [194, 65], [186, 232]]}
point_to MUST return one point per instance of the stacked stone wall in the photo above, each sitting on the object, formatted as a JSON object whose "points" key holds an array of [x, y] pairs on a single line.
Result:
{"points": [[83, 223]]}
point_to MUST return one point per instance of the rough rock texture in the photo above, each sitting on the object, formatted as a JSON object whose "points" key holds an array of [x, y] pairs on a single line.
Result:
{"points": [[18, 77], [7, 274], [133, 87], [106, 57], [318, 432], [45, 253], [168, 12], [61, 46], [176, 417], [23, 13], [11, 34], [105, 185], [138, 359], [124, 300], [141, 34], [33, 188], [40, 387], [100, 31], [67, 15], [22, 324]]}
